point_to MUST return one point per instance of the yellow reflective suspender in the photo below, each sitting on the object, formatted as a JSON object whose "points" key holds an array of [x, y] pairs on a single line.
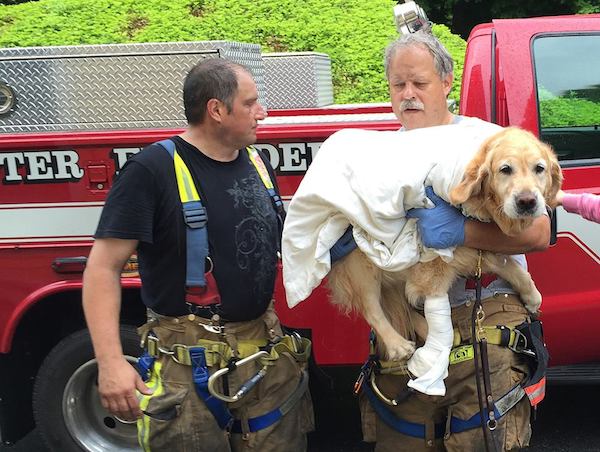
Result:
{"points": [[185, 183], [261, 169], [187, 188], [197, 282]]}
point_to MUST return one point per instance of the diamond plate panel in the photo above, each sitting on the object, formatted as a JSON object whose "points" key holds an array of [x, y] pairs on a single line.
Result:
{"points": [[116, 86], [298, 80]]}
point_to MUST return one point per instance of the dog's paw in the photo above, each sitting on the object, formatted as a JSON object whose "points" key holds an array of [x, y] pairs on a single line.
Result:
{"points": [[400, 350], [532, 300]]}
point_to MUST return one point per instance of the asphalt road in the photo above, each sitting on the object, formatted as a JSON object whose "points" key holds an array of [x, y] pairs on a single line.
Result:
{"points": [[568, 421]]}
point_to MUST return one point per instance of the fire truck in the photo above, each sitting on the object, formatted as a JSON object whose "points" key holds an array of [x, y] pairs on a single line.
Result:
{"points": [[71, 116]]}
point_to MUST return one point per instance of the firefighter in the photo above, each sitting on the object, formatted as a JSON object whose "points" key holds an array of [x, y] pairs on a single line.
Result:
{"points": [[419, 71], [204, 215]]}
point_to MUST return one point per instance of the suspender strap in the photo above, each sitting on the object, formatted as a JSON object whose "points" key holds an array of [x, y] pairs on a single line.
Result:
{"points": [[261, 169], [200, 376], [200, 290]]}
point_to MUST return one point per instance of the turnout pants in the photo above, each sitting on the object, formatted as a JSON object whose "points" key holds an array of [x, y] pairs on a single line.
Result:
{"points": [[507, 369], [190, 425]]}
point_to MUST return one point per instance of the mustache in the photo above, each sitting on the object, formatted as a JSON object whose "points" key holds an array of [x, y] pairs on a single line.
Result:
{"points": [[411, 104]]}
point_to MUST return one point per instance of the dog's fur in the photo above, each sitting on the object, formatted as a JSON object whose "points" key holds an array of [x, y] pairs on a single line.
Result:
{"points": [[511, 179]]}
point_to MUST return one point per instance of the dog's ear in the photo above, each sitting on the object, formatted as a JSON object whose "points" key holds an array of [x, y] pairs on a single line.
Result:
{"points": [[472, 181], [555, 177]]}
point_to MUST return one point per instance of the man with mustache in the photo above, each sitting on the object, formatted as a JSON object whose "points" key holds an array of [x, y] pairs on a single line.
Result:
{"points": [[419, 71]]}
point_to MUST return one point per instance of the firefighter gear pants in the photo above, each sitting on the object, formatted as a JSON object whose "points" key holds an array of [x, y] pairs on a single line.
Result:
{"points": [[184, 423], [507, 369]]}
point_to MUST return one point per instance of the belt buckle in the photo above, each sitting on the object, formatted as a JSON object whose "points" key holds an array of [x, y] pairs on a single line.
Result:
{"points": [[520, 344]]}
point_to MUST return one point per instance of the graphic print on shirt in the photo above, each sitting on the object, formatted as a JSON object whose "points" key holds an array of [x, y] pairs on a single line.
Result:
{"points": [[253, 232]]}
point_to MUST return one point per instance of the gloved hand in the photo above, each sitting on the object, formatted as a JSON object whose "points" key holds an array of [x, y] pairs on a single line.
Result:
{"points": [[440, 227], [343, 246]]}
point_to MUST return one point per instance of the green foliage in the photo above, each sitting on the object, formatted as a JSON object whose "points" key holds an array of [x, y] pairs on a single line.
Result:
{"points": [[588, 6], [353, 33], [457, 47], [568, 111]]}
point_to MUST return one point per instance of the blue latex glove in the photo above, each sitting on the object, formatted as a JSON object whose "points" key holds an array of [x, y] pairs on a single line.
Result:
{"points": [[343, 246], [442, 226]]}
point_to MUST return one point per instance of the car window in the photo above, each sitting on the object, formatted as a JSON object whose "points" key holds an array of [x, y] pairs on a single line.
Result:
{"points": [[567, 70]]}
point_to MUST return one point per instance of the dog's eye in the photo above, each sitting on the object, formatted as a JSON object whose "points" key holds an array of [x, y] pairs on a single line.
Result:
{"points": [[506, 169], [539, 168]]}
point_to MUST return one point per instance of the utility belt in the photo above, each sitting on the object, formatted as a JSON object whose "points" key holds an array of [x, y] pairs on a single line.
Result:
{"points": [[526, 338], [220, 354], [224, 357]]}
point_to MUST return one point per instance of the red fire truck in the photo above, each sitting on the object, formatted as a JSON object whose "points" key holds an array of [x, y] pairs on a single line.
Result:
{"points": [[71, 116]]}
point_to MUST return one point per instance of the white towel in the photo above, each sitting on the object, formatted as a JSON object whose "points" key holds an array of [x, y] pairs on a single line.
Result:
{"points": [[370, 179]]}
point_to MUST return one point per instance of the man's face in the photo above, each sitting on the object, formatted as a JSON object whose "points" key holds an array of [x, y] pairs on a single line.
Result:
{"points": [[240, 124], [417, 92]]}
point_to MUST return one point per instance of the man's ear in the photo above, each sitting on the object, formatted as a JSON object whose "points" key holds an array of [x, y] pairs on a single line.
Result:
{"points": [[215, 109], [447, 82]]}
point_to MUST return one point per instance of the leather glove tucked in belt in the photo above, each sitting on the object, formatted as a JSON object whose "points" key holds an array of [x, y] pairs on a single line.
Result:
{"points": [[443, 226]]}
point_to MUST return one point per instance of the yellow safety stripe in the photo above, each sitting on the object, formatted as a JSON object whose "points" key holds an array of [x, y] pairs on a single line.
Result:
{"points": [[187, 188], [261, 169], [185, 183], [143, 423]]}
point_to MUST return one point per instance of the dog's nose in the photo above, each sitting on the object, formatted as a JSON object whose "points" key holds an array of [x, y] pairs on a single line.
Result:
{"points": [[526, 202]]}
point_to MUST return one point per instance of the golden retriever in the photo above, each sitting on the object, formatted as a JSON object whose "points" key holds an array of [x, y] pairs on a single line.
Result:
{"points": [[511, 179]]}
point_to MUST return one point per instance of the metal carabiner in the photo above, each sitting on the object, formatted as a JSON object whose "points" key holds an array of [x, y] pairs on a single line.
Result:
{"points": [[382, 397], [212, 328], [297, 342], [246, 387]]}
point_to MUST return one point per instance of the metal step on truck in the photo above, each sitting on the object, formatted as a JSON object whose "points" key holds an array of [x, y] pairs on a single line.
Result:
{"points": [[71, 116]]}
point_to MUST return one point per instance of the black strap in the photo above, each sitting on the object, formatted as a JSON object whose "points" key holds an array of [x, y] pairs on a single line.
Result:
{"points": [[483, 394]]}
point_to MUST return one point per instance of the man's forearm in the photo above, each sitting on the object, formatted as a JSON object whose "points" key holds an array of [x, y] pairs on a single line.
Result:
{"points": [[488, 237], [101, 305]]}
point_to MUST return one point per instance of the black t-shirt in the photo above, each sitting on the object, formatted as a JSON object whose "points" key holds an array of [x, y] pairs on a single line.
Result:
{"points": [[243, 232]]}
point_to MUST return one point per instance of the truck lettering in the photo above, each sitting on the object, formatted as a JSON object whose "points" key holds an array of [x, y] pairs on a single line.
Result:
{"points": [[66, 165], [290, 157], [271, 152], [121, 155], [284, 158], [57, 165], [10, 161]]}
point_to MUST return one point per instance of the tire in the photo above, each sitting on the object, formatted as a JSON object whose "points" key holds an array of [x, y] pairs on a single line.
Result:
{"points": [[66, 404]]}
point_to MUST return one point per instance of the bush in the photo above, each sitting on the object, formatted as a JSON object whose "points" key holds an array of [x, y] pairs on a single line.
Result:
{"points": [[352, 34]]}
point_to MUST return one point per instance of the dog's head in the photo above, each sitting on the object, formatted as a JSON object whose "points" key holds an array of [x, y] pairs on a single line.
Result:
{"points": [[510, 180]]}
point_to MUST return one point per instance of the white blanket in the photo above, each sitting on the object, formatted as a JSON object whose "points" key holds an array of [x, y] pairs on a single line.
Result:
{"points": [[370, 179]]}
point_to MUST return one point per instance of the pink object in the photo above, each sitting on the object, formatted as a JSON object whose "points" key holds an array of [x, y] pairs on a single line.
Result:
{"points": [[585, 204]]}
